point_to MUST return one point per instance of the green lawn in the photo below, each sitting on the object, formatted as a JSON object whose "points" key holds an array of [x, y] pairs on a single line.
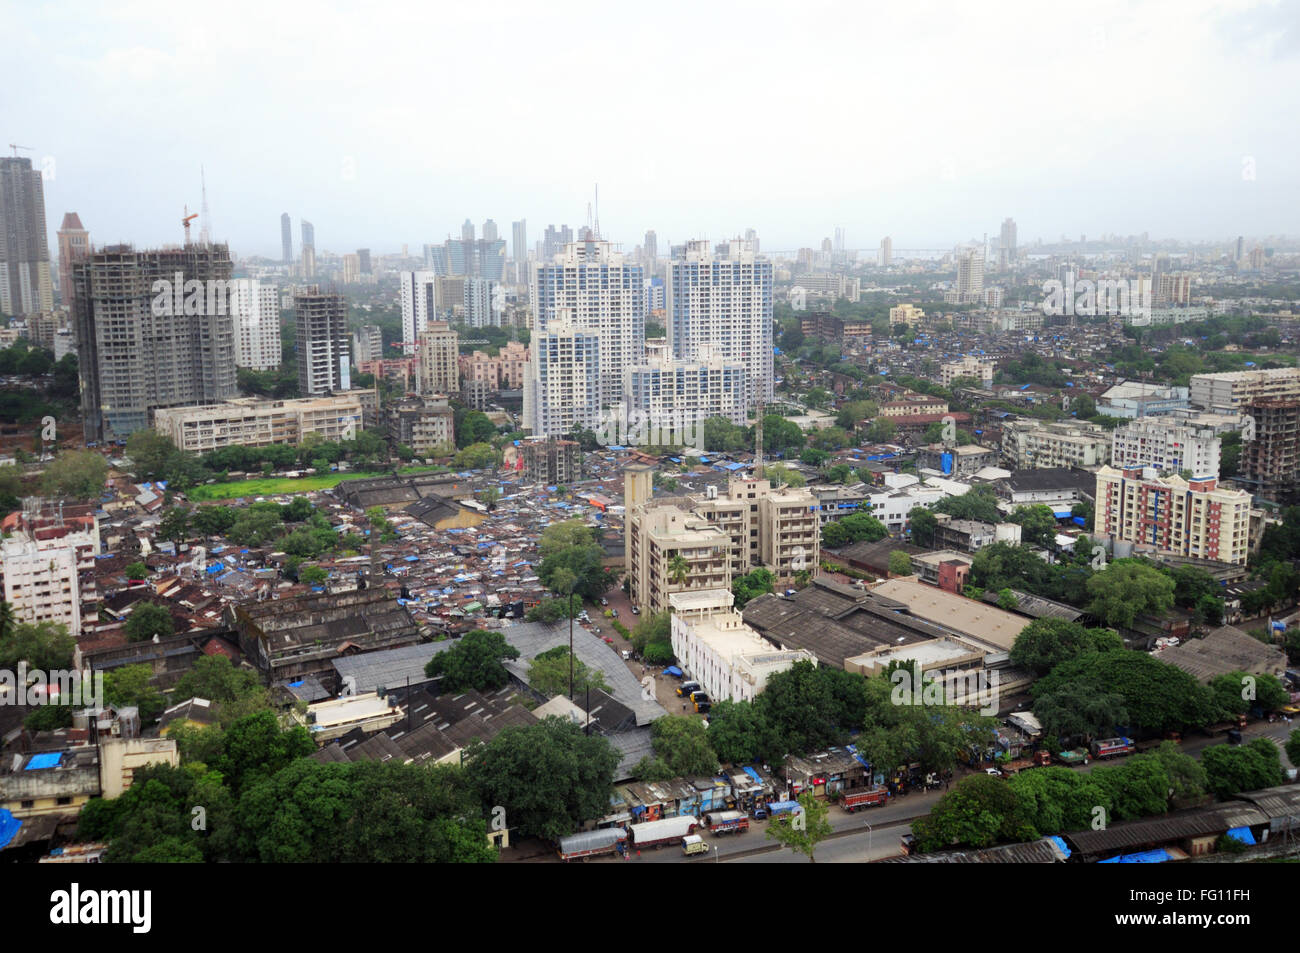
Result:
{"points": [[272, 486]]}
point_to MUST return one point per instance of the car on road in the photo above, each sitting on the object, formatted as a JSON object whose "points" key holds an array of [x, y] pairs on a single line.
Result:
{"points": [[613, 613], [604, 602], [694, 844], [636, 611], [993, 771]]}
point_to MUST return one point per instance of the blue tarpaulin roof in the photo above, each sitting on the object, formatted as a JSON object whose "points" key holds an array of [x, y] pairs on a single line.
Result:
{"points": [[40, 761], [412, 559], [1242, 834], [216, 568], [1079, 520], [1146, 857], [1061, 514], [752, 774], [1060, 843], [673, 670], [8, 827]]}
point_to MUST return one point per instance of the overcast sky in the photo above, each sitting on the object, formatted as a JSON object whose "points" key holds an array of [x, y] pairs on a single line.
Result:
{"points": [[385, 124]]}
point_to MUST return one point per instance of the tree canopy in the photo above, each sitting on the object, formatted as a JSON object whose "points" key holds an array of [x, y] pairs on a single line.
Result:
{"points": [[473, 661]]}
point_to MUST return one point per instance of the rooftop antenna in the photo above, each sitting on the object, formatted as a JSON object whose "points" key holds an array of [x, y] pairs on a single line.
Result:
{"points": [[597, 210], [205, 223]]}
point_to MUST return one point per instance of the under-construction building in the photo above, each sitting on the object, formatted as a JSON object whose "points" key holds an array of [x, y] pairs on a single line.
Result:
{"points": [[1270, 460], [324, 351], [153, 329]]}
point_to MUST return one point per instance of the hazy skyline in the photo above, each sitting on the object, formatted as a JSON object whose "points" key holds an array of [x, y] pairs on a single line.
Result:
{"points": [[926, 121]]}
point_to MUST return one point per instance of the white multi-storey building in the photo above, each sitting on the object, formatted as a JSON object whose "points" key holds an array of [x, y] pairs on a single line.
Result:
{"points": [[671, 393], [562, 382], [1167, 445], [1225, 393], [603, 293], [722, 306], [480, 298], [419, 294], [256, 308]]}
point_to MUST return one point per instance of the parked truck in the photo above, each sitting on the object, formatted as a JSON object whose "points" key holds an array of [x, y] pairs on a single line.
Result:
{"points": [[726, 822], [586, 844], [1038, 759], [782, 808], [854, 800], [1111, 747], [655, 834], [1073, 758]]}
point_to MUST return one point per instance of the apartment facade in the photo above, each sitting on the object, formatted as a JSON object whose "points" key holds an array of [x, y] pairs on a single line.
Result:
{"points": [[1225, 393], [438, 370], [504, 371], [255, 422], [601, 292], [1037, 444], [256, 309], [418, 294], [683, 394], [74, 245], [562, 389], [908, 314], [424, 424], [1167, 445], [25, 283], [721, 305], [1270, 462], [1195, 518], [968, 366]]}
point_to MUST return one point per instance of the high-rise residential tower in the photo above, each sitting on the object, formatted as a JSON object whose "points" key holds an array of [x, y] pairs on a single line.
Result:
{"points": [[74, 245], [562, 385], [308, 250], [154, 329], [25, 283], [256, 308], [417, 291], [1008, 239], [438, 370], [603, 292], [324, 358], [489, 231], [721, 306], [519, 249]]}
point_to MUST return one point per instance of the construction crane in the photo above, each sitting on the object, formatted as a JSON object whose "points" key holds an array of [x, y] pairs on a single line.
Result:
{"points": [[16, 148], [186, 222]]}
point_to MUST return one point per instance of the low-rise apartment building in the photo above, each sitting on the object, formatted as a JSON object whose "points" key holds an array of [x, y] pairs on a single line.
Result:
{"points": [[1036, 444], [257, 422]]}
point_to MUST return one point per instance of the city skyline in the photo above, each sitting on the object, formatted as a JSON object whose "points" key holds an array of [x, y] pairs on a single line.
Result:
{"points": [[1062, 150]]}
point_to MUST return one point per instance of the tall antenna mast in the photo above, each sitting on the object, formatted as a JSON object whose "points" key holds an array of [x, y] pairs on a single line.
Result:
{"points": [[598, 210], [205, 223]]}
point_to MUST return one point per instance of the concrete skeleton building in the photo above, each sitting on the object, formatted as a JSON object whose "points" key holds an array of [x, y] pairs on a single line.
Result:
{"points": [[714, 646], [1166, 444], [550, 460], [1270, 460], [324, 351], [367, 344], [135, 352], [1195, 518], [257, 422]]}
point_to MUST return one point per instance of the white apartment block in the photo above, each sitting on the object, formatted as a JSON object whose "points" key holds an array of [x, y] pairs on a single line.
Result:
{"points": [[968, 366], [1196, 518], [418, 291], [684, 393], [1225, 393], [41, 581], [904, 493], [731, 661], [604, 294], [723, 305], [562, 386], [1037, 444], [256, 309], [481, 299], [438, 369], [255, 422], [1167, 445]]}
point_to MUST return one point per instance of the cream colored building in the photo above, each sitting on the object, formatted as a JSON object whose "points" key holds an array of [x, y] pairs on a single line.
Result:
{"points": [[257, 422], [120, 758], [1195, 518], [731, 661], [438, 371], [1038, 444], [908, 314], [1225, 393], [968, 366]]}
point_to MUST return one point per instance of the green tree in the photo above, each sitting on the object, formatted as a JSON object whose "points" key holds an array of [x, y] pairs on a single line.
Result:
{"points": [[882, 430], [678, 569], [147, 620], [76, 474], [1129, 588], [923, 525], [313, 575], [476, 456], [853, 528], [979, 812], [257, 747], [473, 661], [802, 832], [131, 685], [683, 745], [1037, 524], [1056, 799], [738, 732], [781, 475], [174, 526], [1230, 769], [751, 586], [550, 777], [137, 571], [1046, 643], [652, 628], [549, 673], [1238, 692], [45, 646], [151, 454], [900, 563]]}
